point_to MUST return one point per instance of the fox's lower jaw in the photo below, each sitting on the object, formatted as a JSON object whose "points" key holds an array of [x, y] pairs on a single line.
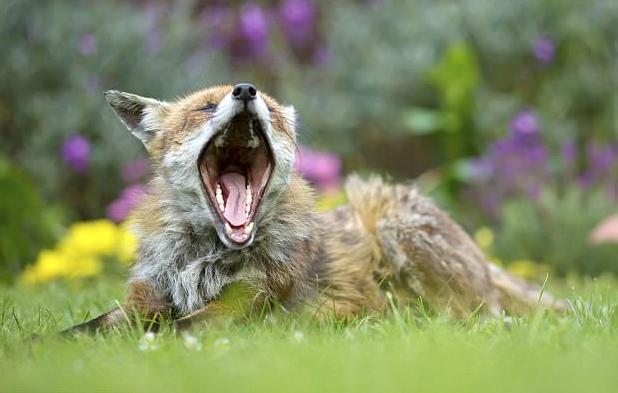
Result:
{"points": [[235, 240], [235, 168]]}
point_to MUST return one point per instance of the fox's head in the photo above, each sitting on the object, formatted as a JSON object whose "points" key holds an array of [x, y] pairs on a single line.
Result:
{"points": [[223, 151]]}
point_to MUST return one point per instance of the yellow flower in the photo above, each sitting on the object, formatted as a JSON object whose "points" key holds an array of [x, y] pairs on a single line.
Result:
{"points": [[54, 264], [49, 265], [94, 238], [484, 237], [81, 252], [330, 201], [528, 269], [127, 245], [86, 266]]}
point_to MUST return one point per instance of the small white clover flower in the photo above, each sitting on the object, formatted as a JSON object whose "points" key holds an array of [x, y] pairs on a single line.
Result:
{"points": [[191, 342], [222, 343], [148, 342], [298, 336]]}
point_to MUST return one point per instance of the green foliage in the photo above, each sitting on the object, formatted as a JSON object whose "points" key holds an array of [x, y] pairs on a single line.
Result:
{"points": [[462, 67], [455, 78], [556, 231], [59, 57], [377, 81], [26, 224]]}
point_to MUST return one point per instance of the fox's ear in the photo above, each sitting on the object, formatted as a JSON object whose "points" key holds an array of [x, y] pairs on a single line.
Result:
{"points": [[142, 116]]}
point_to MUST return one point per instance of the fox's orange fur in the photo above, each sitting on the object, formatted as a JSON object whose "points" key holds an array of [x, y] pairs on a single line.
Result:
{"points": [[388, 239]]}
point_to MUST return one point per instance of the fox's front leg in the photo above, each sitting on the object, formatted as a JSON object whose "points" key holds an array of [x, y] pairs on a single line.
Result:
{"points": [[236, 301], [143, 304]]}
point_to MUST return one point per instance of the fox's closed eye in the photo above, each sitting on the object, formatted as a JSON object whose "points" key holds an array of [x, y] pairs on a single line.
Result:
{"points": [[210, 107]]}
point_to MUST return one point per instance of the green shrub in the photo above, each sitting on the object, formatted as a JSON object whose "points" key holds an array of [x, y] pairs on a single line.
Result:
{"points": [[26, 223], [555, 230], [59, 57], [384, 57]]}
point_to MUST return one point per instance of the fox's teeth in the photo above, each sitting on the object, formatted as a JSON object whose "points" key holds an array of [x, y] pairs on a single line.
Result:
{"points": [[248, 201], [228, 228], [248, 228], [219, 197], [220, 141], [254, 141], [249, 196]]}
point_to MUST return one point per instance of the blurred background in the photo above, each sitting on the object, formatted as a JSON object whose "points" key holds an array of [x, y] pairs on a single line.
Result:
{"points": [[506, 114]]}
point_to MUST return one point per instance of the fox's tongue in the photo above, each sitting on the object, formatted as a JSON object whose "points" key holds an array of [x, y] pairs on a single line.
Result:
{"points": [[234, 185]]}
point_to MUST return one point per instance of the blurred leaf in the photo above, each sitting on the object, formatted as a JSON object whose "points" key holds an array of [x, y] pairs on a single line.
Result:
{"points": [[461, 170], [456, 77], [422, 121], [26, 224]]}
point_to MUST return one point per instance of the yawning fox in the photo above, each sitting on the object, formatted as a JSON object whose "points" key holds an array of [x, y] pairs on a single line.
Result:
{"points": [[226, 210]]}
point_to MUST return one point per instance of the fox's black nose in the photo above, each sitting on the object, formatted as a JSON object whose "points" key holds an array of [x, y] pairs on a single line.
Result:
{"points": [[244, 91]]}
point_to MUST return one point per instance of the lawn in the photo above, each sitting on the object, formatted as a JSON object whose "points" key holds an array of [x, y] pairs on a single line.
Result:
{"points": [[405, 351]]}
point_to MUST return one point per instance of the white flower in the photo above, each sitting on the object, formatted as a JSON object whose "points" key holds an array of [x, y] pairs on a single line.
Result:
{"points": [[222, 343], [148, 342], [191, 342], [298, 336]]}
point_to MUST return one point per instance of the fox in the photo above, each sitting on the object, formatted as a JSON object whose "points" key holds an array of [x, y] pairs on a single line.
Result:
{"points": [[226, 213]]}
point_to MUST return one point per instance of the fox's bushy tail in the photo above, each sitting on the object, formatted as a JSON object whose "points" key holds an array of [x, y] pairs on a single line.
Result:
{"points": [[447, 268]]}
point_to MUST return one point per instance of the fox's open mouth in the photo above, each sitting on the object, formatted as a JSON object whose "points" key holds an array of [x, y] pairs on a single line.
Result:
{"points": [[235, 167]]}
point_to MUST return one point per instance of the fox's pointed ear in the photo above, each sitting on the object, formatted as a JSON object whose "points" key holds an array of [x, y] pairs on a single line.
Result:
{"points": [[142, 116]]}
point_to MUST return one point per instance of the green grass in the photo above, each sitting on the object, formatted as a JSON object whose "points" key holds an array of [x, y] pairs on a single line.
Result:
{"points": [[409, 352]]}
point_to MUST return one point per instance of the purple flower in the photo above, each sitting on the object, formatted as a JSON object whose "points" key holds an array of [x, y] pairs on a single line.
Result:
{"points": [[130, 197], [544, 50], [601, 158], [134, 193], [298, 21], [600, 162], [254, 29], [569, 153], [480, 170], [321, 168], [75, 152], [516, 164], [585, 180], [118, 210], [524, 123], [87, 44], [219, 21], [134, 170]]}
